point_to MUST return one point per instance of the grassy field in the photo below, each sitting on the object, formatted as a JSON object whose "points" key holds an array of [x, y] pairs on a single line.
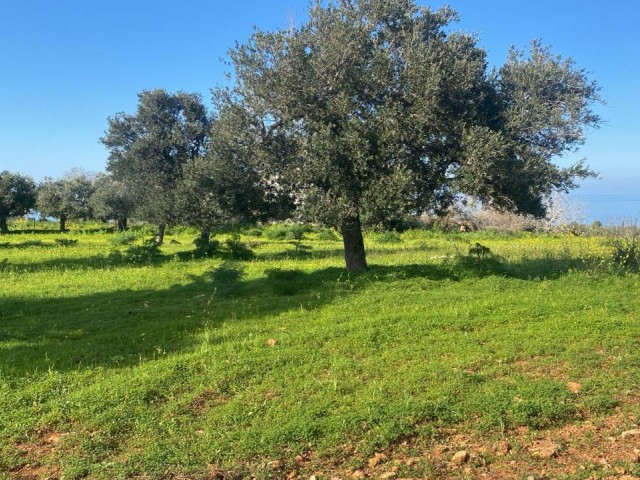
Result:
{"points": [[118, 360]]}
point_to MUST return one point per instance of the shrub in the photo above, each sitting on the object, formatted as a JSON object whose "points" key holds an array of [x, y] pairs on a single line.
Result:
{"points": [[124, 238], [237, 249], [388, 237], [205, 247], [626, 252], [327, 235]]}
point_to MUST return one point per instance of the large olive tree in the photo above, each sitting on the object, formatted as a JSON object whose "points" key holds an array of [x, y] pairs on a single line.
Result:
{"points": [[374, 108]]}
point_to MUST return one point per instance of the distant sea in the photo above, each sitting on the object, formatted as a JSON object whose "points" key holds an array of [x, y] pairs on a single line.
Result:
{"points": [[610, 209]]}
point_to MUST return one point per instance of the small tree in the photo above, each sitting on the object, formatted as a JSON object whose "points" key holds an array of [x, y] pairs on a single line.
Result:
{"points": [[111, 200], [148, 150], [17, 197], [66, 198], [374, 108]]}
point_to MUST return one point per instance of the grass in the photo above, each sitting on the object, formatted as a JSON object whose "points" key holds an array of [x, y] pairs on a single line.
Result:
{"points": [[119, 361]]}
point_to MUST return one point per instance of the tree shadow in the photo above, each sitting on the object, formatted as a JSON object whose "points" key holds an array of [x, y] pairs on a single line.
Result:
{"points": [[123, 328], [133, 256], [26, 244]]}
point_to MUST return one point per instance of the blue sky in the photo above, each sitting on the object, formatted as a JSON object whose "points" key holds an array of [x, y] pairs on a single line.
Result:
{"points": [[68, 65]]}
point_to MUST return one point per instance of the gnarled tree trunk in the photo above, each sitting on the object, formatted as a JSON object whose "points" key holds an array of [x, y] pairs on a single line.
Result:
{"points": [[4, 228], [205, 233], [354, 253], [63, 223]]}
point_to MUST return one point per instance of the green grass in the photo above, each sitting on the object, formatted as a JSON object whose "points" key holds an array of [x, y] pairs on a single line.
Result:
{"points": [[152, 362]]}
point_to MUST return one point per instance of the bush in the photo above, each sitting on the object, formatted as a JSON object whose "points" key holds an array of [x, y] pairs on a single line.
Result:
{"points": [[237, 249], [295, 231], [388, 237], [626, 252], [205, 247], [327, 235], [254, 232], [124, 238]]}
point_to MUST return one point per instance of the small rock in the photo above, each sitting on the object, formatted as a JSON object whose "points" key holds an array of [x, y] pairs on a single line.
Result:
{"points": [[531, 477], [502, 448], [376, 460], [631, 433], [460, 457], [388, 476], [620, 470], [357, 474], [272, 342], [313, 477], [544, 449], [574, 387]]}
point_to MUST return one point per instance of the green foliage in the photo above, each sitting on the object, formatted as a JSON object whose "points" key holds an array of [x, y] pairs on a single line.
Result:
{"points": [[206, 247], [237, 249], [17, 196], [327, 235], [112, 200], [388, 237], [66, 198], [284, 231], [149, 149], [626, 252], [372, 111], [123, 238]]}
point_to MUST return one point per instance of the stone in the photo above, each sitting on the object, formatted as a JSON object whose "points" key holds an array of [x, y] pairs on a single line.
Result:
{"points": [[377, 459], [388, 476], [502, 448], [630, 433], [460, 457], [357, 474], [574, 387], [544, 449]]}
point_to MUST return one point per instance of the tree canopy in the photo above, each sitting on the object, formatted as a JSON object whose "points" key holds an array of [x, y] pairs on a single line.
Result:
{"points": [[17, 196], [66, 198], [374, 108], [148, 149]]}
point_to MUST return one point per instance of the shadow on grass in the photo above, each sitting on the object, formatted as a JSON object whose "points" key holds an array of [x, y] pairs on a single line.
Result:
{"points": [[26, 244], [120, 329]]}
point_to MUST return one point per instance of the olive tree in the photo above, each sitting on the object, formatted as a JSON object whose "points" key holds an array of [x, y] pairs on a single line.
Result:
{"points": [[148, 150], [112, 200], [375, 108], [66, 198], [17, 196]]}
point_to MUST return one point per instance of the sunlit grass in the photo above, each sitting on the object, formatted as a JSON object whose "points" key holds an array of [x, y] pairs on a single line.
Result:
{"points": [[145, 365]]}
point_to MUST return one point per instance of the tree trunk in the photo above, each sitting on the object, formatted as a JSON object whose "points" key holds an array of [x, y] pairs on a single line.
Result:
{"points": [[354, 253], [63, 223], [160, 235], [122, 224], [4, 228], [205, 233]]}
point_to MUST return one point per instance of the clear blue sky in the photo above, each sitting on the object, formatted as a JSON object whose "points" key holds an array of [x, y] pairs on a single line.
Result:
{"points": [[67, 65]]}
